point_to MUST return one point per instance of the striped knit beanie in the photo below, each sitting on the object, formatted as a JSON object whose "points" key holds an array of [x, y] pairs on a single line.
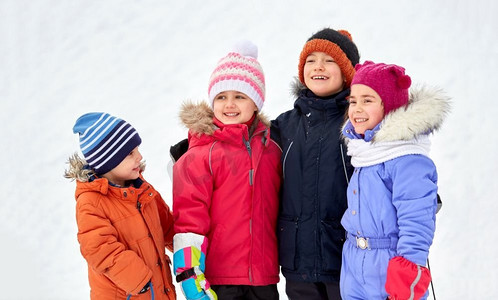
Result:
{"points": [[339, 45], [239, 71], [105, 140], [389, 81]]}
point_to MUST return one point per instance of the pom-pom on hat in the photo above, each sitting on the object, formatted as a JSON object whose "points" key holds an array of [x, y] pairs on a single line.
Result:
{"points": [[105, 140], [239, 71], [389, 81], [339, 45]]}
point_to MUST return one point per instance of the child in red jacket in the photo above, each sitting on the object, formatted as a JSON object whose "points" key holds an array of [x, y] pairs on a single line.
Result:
{"points": [[226, 188], [123, 223]]}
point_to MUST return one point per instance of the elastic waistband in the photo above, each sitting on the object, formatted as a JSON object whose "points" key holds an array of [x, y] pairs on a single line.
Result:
{"points": [[372, 243]]}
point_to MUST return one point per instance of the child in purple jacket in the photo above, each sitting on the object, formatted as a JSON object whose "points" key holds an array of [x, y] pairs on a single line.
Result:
{"points": [[392, 195]]}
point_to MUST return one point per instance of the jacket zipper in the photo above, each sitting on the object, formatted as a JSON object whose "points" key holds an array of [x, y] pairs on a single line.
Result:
{"points": [[139, 208], [318, 235], [247, 143], [251, 181]]}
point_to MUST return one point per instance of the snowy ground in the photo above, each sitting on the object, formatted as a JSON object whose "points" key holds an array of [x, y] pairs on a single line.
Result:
{"points": [[140, 59]]}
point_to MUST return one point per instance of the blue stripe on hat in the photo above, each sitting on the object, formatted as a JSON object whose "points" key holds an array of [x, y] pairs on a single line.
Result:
{"points": [[115, 151], [95, 133], [105, 140], [111, 142]]}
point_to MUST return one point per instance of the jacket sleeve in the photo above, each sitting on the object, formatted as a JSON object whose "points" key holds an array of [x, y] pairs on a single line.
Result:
{"points": [[192, 193], [275, 132], [100, 247], [415, 198], [166, 218]]}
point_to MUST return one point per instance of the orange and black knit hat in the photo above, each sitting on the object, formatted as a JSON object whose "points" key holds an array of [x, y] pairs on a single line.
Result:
{"points": [[338, 44]]}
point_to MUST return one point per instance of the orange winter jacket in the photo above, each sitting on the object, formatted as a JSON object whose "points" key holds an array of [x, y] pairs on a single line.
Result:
{"points": [[123, 233]]}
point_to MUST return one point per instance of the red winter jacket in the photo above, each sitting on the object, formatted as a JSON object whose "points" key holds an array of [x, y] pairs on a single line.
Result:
{"points": [[226, 187]]}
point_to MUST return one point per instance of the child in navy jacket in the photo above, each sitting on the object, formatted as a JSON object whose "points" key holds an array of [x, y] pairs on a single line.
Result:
{"points": [[316, 168]]}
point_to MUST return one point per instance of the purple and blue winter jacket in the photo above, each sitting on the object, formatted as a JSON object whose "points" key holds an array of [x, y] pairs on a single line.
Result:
{"points": [[392, 195]]}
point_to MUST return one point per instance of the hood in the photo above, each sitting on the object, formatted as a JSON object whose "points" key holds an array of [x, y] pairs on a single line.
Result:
{"points": [[198, 118], [296, 87], [425, 112], [80, 171], [303, 95]]}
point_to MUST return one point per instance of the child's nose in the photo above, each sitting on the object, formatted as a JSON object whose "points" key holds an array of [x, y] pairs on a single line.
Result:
{"points": [[230, 102], [319, 65]]}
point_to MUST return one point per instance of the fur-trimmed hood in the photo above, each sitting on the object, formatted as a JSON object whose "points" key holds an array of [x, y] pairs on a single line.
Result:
{"points": [[198, 118], [425, 112], [296, 87], [79, 170]]}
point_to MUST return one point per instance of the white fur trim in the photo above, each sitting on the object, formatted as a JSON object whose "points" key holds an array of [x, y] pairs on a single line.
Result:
{"points": [[424, 113]]}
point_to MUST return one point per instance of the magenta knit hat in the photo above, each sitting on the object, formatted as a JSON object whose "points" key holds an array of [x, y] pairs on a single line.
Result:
{"points": [[389, 81], [239, 71]]}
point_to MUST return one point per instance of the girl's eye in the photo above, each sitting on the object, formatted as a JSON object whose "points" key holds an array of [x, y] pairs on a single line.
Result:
{"points": [[221, 97], [310, 61]]}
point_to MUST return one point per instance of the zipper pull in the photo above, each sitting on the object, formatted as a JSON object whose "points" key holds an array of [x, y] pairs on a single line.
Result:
{"points": [[139, 205], [248, 146], [251, 175]]}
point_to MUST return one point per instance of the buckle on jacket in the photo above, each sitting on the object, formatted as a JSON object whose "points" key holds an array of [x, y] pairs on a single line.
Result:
{"points": [[362, 243]]}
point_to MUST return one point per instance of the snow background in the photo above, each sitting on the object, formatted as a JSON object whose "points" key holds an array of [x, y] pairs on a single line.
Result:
{"points": [[140, 59]]}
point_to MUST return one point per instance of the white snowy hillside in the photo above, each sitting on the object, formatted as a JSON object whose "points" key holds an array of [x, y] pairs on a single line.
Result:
{"points": [[140, 59]]}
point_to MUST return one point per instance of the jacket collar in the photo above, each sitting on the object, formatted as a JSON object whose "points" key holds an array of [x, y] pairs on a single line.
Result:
{"points": [[308, 101], [102, 186], [204, 128]]}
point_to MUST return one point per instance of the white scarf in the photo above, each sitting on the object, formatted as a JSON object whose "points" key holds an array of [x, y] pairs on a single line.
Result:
{"points": [[364, 154]]}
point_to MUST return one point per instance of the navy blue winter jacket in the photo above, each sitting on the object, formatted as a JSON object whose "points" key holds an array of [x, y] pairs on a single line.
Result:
{"points": [[316, 170]]}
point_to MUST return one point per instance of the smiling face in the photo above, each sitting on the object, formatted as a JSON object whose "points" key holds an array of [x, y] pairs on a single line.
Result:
{"points": [[128, 169], [232, 107], [366, 109], [322, 75]]}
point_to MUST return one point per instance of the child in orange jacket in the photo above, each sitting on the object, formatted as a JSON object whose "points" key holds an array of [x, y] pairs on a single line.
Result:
{"points": [[124, 224]]}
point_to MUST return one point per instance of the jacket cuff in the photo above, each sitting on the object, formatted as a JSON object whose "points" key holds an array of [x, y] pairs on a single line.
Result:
{"points": [[189, 239]]}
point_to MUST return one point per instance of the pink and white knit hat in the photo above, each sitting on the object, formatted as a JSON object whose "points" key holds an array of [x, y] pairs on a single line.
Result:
{"points": [[239, 71]]}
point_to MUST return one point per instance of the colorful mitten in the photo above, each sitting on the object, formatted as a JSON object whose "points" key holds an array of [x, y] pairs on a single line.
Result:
{"points": [[406, 280], [189, 264]]}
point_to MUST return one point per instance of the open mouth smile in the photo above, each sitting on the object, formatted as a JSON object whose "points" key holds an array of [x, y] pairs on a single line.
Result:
{"points": [[360, 120], [319, 77]]}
